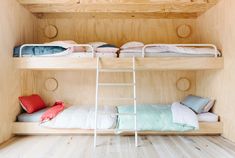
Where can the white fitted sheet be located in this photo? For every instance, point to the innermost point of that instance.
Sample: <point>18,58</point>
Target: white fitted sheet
<point>34,117</point>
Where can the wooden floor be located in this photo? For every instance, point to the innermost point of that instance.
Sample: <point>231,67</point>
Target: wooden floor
<point>116,146</point>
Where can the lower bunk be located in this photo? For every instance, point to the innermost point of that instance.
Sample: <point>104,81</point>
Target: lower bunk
<point>32,128</point>
<point>188,117</point>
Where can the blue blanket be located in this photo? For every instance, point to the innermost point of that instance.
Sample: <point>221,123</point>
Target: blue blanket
<point>37,50</point>
<point>150,117</point>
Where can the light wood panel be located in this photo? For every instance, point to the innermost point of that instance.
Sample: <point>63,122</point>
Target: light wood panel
<point>183,7</point>
<point>16,27</point>
<point>20,128</point>
<point>116,31</point>
<point>217,26</point>
<point>78,87</point>
<point>160,63</point>
<point>118,147</point>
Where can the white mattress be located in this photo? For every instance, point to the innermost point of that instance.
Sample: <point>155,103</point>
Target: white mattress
<point>34,117</point>
<point>152,54</point>
<point>90,55</point>
<point>77,55</point>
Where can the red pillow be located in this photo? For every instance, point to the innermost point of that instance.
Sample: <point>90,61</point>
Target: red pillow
<point>32,103</point>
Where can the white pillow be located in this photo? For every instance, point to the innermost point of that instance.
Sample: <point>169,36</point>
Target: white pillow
<point>132,45</point>
<point>208,117</point>
<point>95,45</point>
<point>208,107</point>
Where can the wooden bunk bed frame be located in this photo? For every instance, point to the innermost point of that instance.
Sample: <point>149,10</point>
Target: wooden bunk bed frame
<point>141,63</point>
<point>22,128</point>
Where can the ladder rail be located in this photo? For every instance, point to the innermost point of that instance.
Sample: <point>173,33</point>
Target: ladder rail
<point>96,100</point>
<point>115,84</point>
<point>135,108</point>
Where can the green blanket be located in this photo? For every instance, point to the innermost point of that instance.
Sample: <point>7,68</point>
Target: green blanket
<point>149,118</point>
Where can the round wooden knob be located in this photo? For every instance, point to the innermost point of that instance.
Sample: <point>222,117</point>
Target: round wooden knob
<point>50,31</point>
<point>183,84</point>
<point>184,31</point>
<point>51,84</point>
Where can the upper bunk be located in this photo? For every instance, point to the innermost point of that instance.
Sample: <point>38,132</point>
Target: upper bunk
<point>147,57</point>
<point>132,8</point>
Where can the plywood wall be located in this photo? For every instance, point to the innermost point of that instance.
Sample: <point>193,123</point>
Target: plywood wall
<point>116,31</point>
<point>16,26</point>
<point>217,26</point>
<point>78,87</point>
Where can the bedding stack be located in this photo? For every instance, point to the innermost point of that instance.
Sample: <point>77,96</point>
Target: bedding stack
<point>138,49</point>
<point>103,49</point>
<point>131,49</point>
<point>66,49</point>
<point>202,107</point>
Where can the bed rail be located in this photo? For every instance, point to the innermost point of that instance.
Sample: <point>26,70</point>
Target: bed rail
<point>181,45</point>
<point>57,45</point>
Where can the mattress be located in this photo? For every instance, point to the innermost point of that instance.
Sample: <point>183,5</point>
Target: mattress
<point>152,54</point>
<point>34,117</point>
<point>67,53</point>
<point>85,55</point>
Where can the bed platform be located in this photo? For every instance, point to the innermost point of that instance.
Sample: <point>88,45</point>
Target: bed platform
<point>22,128</point>
<point>161,63</point>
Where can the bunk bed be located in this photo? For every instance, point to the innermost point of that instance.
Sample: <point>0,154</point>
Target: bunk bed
<point>211,61</point>
<point>156,61</point>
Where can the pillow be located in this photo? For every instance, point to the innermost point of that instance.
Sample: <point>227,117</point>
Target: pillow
<point>208,107</point>
<point>32,103</point>
<point>132,45</point>
<point>208,117</point>
<point>197,104</point>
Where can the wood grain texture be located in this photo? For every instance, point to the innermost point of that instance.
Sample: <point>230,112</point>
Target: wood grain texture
<point>181,7</point>
<point>78,87</point>
<point>16,27</point>
<point>118,147</point>
<point>217,26</point>
<point>160,63</point>
<point>116,31</point>
<point>22,128</point>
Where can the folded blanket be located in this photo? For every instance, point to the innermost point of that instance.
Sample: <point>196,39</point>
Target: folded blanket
<point>53,111</point>
<point>155,117</point>
<point>38,50</point>
<point>183,115</point>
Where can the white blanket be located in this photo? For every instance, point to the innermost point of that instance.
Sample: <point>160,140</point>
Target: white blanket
<point>83,117</point>
<point>183,115</point>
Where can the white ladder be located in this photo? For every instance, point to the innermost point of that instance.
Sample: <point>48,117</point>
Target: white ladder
<point>133,84</point>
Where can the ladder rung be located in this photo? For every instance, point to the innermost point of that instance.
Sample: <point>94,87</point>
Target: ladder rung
<point>116,84</point>
<point>115,70</point>
<point>117,98</point>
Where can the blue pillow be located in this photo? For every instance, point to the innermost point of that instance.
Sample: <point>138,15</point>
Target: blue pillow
<point>195,103</point>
